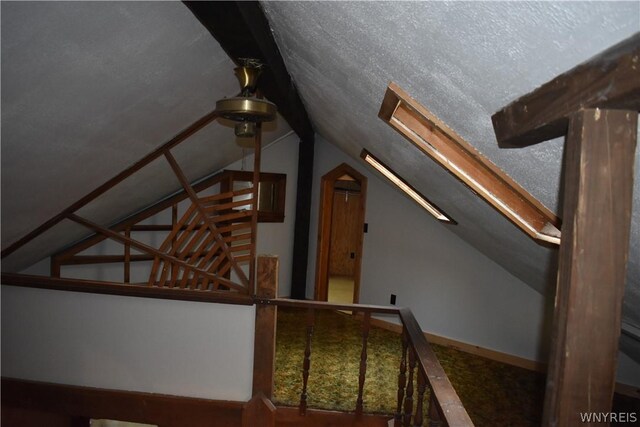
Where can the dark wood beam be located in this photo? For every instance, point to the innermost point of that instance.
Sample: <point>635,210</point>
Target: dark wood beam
<point>609,80</point>
<point>593,256</point>
<point>243,31</point>
<point>304,190</point>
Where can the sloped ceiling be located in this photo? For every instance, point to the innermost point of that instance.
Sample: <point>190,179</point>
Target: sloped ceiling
<point>89,88</point>
<point>463,61</point>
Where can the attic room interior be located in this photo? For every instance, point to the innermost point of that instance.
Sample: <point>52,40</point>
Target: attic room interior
<point>430,187</point>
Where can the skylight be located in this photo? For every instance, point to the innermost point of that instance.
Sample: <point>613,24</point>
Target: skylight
<point>404,186</point>
<point>419,126</point>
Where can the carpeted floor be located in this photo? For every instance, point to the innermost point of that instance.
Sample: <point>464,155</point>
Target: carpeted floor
<point>493,393</point>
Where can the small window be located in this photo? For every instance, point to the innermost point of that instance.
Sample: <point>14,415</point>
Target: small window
<point>271,192</point>
<point>435,139</point>
<point>404,186</point>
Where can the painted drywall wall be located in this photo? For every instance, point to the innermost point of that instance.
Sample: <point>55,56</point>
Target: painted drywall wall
<point>453,289</point>
<point>172,347</point>
<point>126,343</point>
<point>273,238</point>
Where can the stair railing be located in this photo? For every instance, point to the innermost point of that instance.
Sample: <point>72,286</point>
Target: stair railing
<point>419,368</point>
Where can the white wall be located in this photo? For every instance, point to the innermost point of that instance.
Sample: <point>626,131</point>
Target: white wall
<point>127,343</point>
<point>453,289</point>
<point>151,345</point>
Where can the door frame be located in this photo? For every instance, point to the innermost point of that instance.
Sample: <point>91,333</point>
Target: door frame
<point>324,230</point>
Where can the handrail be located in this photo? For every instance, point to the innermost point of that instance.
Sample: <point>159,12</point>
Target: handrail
<point>445,405</point>
<point>323,305</point>
<point>133,290</point>
<point>446,397</point>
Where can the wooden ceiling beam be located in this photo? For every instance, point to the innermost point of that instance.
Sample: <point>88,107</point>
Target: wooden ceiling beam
<point>243,31</point>
<point>609,80</point>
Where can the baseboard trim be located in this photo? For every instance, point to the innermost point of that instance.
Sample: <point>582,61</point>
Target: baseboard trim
<point>148,408</point>
<point>509,359</point>
<point>287,416</point>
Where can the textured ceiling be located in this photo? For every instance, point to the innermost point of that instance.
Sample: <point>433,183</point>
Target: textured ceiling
<point>88,88</point>
<point>463,61</point>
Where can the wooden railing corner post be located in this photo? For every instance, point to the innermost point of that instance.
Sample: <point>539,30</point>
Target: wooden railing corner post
<point>265,332</point>
<point>259,412</point>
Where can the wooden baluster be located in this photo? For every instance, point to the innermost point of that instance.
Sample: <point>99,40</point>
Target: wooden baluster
<point>174,222</point>
<point>422,387</point>
<point>434,414</point>
<point>363,362</point>
<point>402,379</point>
<point>127,257</point>
<point>408,400</point>
<point>307,361</point>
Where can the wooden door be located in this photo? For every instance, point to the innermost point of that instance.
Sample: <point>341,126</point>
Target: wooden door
<point>344,233</point>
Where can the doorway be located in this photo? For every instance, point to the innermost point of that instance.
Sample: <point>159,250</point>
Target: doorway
<point>340,235</point>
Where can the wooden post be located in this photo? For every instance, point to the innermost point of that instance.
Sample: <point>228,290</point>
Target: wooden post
<point>593,255</point>
<point>257,151</point>
<point>264,353</point>
<point>259,412</point>
<point>127,257</point>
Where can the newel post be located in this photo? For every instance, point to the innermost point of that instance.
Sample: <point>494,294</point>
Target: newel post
<point>260,411</point>
<point>265,334</point>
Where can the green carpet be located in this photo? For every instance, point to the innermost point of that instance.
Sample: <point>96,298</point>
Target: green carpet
<point>493,393</point>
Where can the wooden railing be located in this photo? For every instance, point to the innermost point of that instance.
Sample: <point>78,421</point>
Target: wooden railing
<point>419,368</point>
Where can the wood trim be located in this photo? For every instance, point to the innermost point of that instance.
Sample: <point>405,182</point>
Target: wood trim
<point>324,229</point>
<point>127,257</point>
<point>476,350</point>
<point>448,220</point>
<point>149,408</point>
<point>132,290</point>
<point>323,305</point>
<point>259,412</point>
<point>487,353</point>
<point>449,403</point>
<point>435,139</point>
<point>140,216</point>
<point>287,416</point>
<point>593,256</point>
<point>278,179</point>
<point>210,224</point>
<point>252,283</point>
<point>152,251</point>
<point>181,136</point>
<point>610,79</point>
<point>264,353</point>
